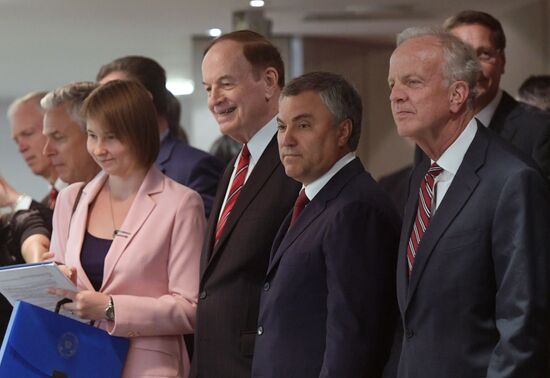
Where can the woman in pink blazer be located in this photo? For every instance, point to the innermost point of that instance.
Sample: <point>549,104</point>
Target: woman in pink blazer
<point>133,243</point>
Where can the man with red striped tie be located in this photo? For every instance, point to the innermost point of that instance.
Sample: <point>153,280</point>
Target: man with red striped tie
<point>243,74</point>
<point>473,269</point>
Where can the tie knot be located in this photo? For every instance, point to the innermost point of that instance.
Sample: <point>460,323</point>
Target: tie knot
<point>302,199</point>
<point>435,170</point>
<point>245,154</point>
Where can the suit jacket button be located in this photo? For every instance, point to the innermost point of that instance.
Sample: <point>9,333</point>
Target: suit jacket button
<point>202,294</point>
<point>409,334</point>
<point>260,330</point>
<point>266,286</point>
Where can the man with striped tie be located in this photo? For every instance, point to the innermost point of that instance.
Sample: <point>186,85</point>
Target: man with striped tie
<point>243,74</point>
<point>473,268</point>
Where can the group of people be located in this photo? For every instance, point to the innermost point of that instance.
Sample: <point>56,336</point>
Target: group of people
<point>294,262</point>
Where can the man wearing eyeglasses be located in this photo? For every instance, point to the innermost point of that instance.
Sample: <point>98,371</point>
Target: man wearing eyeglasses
<point>525,127</point>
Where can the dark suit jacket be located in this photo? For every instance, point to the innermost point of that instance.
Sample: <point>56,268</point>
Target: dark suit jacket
<point>191,167</point>
<point>476,304</point>
<point>233,269</point>
<point>328,306</point>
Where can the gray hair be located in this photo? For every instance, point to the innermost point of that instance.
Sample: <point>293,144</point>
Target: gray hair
<point>461,63</point>
<point>339,96</point>
<point>72,96</point>
<point>33,97</point>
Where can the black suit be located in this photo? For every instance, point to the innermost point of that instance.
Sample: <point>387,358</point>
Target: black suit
<point>328,307</point>
<point>233,269</point>
<point>477,302</point>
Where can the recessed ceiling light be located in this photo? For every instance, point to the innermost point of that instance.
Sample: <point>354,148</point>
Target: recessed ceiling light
<point>180,87</point>
<point>257,3</point>
<point>214,32</point>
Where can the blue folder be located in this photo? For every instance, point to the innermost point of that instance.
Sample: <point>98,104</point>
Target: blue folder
<point>41,343</point>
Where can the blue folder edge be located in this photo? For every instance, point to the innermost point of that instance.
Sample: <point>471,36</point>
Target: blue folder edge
<point>64,345</point>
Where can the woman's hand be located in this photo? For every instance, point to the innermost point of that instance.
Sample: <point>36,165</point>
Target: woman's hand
<point>69,271</point>
<point>86,304</point>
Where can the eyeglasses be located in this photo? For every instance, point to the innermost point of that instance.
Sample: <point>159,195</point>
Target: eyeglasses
<point>487,55</point>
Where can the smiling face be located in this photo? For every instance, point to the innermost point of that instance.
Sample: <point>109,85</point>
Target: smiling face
<point>26,131</point>
<point>113,156</point>
<point>66,146</point>
<point>491,59</point>
<point>237,96</point>
<point>419,94</point>
<point>309,141</point>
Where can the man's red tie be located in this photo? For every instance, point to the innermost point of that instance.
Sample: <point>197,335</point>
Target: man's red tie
<point>52,198</point>
<point>299,205</point>
<point>235,190</point>
<point>426,194</point>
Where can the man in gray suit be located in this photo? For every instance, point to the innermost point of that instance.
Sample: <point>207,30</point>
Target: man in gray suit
<point>473,266</point>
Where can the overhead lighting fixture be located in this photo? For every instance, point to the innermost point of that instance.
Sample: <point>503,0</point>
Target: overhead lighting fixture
<point>180,87</point>
<point>214,32</point>
<point>257,3</point>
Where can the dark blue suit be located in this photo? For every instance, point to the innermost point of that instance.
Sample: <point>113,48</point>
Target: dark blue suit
<point>476,303</point>
<point>191,167</point>
<point>327,307</point>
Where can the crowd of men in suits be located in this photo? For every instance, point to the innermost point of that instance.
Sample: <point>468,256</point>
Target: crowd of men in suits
<point>307,268</point>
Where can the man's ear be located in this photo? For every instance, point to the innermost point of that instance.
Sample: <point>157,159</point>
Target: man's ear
<point>344,132</point>
<point>271,79</point>
<point>458,95</point>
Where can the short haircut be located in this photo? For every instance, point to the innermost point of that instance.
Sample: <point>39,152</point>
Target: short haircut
<point>144,70</point>
<point>33,97</point>
<point>173,116</point>
<point>258,51</point>
<point>460,60</point>
<point>339,96</point>
<point>126,109</point>
<point>71,96</point>
<point>472,17</point>
<point>535,91</point>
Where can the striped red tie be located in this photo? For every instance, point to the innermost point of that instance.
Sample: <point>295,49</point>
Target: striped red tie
<point>235,190</point>
<point>426,195</point>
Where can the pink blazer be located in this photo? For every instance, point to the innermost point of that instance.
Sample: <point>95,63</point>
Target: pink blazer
<point>152,274</point>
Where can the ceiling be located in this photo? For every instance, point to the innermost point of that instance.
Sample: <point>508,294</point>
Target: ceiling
<point>46,43</point>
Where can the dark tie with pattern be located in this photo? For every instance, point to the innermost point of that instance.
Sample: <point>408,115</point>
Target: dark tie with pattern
<point>423,214</point>
<point>235,190</point>
<point>52,198</point>
<point>299,205</point>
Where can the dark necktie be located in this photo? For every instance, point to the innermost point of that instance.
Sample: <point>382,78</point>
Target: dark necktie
<point>235,190</point>
<point>52,197</point>
<point>299,205</point>
<point>423,214</point>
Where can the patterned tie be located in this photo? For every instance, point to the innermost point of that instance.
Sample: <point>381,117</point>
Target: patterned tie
<point>52,198</point>
<point>235,190</point>
<point>426,195</point>
<point>299,205</point>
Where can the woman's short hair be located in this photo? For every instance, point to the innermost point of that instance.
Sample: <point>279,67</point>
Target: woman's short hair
<point>126,109</point>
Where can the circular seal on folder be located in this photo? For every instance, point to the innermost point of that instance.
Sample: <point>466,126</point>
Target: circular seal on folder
<point>67,345</point>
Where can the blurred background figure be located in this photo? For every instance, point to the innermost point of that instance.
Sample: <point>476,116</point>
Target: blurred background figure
<point>135,236</point>
<point>225,148</point>
<point>535,91</point>
<point>176,159</point>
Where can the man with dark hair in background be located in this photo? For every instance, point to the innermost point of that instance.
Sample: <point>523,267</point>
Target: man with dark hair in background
<point>187,165</point>
<point>525,127</point>
<point>535,91</point>
<point>243,74</point>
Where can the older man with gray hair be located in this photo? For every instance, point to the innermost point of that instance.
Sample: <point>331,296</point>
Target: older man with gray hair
<point>65,130</point>
<point>473,267</point>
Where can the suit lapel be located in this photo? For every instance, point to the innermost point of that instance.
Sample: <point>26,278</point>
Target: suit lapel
<point>312,211</point>
<point>409,216</point>
<point>261,173</point>
<point>462,187</point>
<point>506,105</point>
<point>166,147</point>
<point>140,210</point>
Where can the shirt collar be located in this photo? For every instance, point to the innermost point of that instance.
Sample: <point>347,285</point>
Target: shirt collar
<point>451,159</point>
<point>485,115</point>
<point>59,184</point>
<point>313,188</point>
<point>164,134</point>
<point>258,143</point>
